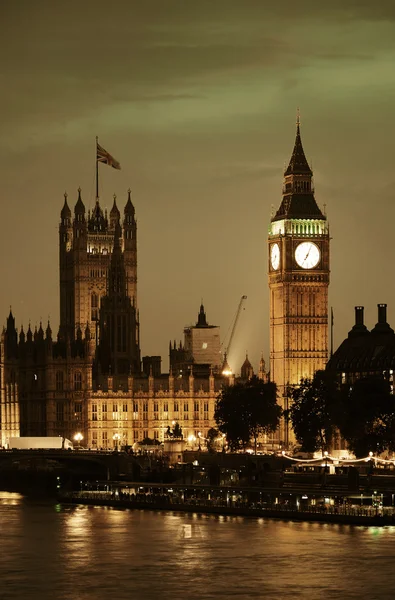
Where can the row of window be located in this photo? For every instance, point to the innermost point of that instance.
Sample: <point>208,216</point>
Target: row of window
<point>103,439</point>
<point>156,407</point>
<point>60,381</point>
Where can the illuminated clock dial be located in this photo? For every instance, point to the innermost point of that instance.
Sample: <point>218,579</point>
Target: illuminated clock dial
<point>275,256</point>
<point>307,255</point>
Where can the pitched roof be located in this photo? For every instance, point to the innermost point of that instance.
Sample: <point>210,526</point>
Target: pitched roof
<point>299,206</point>
<point>298,164</point>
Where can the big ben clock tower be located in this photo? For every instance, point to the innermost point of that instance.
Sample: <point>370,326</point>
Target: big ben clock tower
<point>298,281</point>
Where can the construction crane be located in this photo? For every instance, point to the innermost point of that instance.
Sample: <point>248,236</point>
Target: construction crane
<point>226,370</point>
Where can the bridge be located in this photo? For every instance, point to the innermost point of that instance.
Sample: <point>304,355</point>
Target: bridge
<point>96,464</point>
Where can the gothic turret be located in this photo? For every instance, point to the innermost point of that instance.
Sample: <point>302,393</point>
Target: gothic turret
<point>202,321</point>
<point>130,248</point>
<point>11,337</point>
<point>119,327</point>
<point>116,274</point>
<point>262,369</point>
<point>79,208</point>
<point>79,225</point>
<point>246,369</point>
<point>97,222</point>
<point>65,214</point>
<point>129,208</point>
<point>115,215</point>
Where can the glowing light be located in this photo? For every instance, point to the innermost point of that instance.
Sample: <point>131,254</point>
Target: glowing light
<point>78,437</point>
<point>227,372</point>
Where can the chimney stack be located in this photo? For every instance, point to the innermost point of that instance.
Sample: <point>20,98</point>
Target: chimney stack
<point>382,312</point>
<point>359,315</point>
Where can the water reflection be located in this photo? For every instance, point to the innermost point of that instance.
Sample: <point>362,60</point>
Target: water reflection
<point>10,498</point>
<point>86,553</point>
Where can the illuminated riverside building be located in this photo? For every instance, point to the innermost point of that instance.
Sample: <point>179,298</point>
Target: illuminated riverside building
<point>298,245</point>
<point>88,380</point>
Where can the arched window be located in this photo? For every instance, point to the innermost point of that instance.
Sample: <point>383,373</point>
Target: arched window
<point>77,381</point>
<point>59,381</point>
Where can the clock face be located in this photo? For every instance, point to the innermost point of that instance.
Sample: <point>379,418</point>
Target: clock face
<point>307,255</point>
<point>275,256</point>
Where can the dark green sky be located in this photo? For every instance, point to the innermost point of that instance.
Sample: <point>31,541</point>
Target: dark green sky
<point>197,100</point>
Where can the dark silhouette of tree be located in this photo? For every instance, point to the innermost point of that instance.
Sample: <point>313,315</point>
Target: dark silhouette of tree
<point>149,442</point>
<point>313,411</point>
<point>212,439</point>
<point>367,416</point>
<point>246,410</point>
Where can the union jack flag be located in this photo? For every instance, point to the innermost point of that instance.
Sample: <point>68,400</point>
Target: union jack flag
<point>104,157</point>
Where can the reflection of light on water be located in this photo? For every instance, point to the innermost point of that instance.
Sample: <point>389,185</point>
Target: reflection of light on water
<point>78,530</point>
<point>186,531</point>
<point>10,498</point>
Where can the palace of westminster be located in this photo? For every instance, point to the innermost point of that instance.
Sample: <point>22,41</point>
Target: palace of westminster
<point>90,378</point>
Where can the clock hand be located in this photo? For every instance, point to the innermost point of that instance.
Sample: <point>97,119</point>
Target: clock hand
<point>307,255</point>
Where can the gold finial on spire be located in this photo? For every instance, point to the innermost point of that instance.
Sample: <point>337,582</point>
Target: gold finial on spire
<point>115,197</point>
<point>65,195</point>
<point>298,116</point>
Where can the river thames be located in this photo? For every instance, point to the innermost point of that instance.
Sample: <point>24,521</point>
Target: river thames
<point>53,551</point>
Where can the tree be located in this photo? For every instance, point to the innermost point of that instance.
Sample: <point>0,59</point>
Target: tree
<point>367,416</point>
<point>149,442</point>
<point>212,439</point>
<point>313,411</point>
<point>246,410</point>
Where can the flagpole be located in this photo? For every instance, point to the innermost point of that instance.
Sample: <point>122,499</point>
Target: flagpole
<point>97,171</point>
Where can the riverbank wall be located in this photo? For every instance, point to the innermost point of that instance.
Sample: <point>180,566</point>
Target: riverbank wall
<point>361,516</point>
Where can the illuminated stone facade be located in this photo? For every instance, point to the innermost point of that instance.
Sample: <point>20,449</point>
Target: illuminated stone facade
<point>298,281</point>
<point>85,248</point>
<point>88,380</point>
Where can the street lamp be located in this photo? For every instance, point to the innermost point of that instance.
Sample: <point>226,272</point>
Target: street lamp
<point>78,438</point>
<point>116,437</point>
<point>191,439</point>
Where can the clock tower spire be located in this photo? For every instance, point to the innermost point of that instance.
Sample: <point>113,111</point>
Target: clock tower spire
<point>298,281</point>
